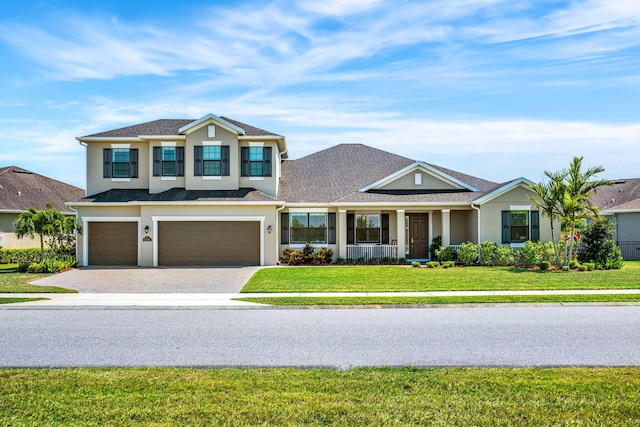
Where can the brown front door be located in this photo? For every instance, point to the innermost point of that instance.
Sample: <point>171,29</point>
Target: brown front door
<point>418,236</point>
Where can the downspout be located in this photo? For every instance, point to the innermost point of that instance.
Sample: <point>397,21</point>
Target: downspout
<point>277,230</point>
<point>477,209</point>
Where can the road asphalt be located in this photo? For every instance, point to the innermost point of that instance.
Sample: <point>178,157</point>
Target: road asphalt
<point>228,300</point>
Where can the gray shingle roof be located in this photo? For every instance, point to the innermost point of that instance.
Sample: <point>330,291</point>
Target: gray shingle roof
<point>170,127</point>
<point>21,189</point>
<point>337,174</point>
<point>179,195</point>
<point>623,195</point>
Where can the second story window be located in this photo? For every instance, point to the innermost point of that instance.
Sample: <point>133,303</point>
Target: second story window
<point>211,160</point>
<point>256,161</point>
<point>168,161</point>
<point>120,163</point>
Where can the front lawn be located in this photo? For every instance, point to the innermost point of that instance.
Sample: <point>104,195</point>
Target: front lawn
<point>11,281</point>
<point>408,279</point>
<point>287,397</point>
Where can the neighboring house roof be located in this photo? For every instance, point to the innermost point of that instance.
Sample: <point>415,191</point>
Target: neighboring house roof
<point>21,189</point>
<point>178,195</point>
<point>338,174</point>
<point>624,195</point>
<point>171,127</point>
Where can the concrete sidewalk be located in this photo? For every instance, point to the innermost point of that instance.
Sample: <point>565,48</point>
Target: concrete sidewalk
<point>186,300</point>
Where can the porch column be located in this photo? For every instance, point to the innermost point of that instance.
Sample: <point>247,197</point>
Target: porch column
<point>342,233</point>
<point>400,224</point>
<point>446,227</point>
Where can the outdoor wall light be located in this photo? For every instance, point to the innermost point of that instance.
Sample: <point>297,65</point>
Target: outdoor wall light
<point>269,228</point>
<point>146,229</point>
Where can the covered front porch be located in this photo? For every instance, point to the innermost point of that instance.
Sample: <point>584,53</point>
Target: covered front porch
<point>402,233</point>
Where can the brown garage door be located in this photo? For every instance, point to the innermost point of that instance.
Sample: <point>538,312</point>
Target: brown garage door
<point>113,243</point>
<point>208,243</point>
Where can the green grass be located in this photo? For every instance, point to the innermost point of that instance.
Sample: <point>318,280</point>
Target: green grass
<point>407,279</point>
<point>288,397</point>
<point>11,281</point>
<point>14,300</point>
<point>487,299</point>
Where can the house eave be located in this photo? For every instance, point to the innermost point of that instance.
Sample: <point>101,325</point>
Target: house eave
<point>504,189</point>
<point>400,204</point>
<point>193,126</point>
<point>109,139</point>
<point>177,203</point>
<point>163,137</point>
<point>619,211</point>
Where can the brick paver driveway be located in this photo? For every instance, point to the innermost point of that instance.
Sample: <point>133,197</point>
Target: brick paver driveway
<point>152,280</point>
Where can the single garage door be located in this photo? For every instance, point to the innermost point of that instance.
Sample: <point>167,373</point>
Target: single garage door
<point>223,243</point>
<point>113,243</point>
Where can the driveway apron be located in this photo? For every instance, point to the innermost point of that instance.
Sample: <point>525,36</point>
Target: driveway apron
<point>152,280</point>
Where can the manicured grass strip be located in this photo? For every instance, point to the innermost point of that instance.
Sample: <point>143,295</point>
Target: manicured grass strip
<point>14,300</point>
<point>396,279</point>
<point>347,301</point>
<point>13,282</point>
<point>8,268</point>
<point>287,397</point>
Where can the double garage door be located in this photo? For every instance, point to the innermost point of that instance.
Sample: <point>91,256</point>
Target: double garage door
<point>194,243</point>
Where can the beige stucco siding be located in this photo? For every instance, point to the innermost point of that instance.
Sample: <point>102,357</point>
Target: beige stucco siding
<point>158,184</point>
<point>491,214</point>
<point>95,181</point>
<point>461,227</point>
<point>225,137</point>
<point>8,231</point>
<point>267,184</point>
<point>408,182</point>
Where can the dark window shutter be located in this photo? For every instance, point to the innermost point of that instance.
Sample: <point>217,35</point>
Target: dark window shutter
<point>106,160</point>
<point>244,161</point>
<point>157,161</point>
<point>266,161</point>
<point>198,153</point>
<point>179,161</point>
<point>506,227</point>
<point>535,225</point>
<point>133,159</point>
<point>385,229</point>
<point>331,232</point>
<point>284,225</point>
<point>224,157</point>
<point>351,229</point>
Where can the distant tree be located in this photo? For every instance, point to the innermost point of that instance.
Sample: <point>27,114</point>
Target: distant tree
<point>599,246</point>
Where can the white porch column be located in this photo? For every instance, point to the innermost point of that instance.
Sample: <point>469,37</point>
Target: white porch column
<point>342,233</point>
<point>446,227</point>
<point>400,221</point>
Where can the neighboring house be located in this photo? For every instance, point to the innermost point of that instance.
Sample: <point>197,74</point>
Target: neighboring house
<point>215,191</point>
<point>21,189</point>
<point>621,204</point>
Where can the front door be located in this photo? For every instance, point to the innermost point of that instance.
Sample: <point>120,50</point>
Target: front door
<point>418,236</point>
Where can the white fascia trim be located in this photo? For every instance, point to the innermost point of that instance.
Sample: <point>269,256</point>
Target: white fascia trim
<point>85,233</point>
<point>424,168</point>
<point>620,211</point>
<point>163,137</point>
<point>203,120</point>
<point>401,204</point>
<point>260,137</point>
<point>520,182</point>
<point>176,204</point>
<point>156,219</point>
<point>111,139</point>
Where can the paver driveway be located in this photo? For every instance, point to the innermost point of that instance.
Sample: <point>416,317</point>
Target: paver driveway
<point>152,280</point>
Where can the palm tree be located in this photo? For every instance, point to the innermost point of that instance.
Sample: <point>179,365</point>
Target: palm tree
<point>576,203</point>
<point>548,201</point>
<point>31,223</point>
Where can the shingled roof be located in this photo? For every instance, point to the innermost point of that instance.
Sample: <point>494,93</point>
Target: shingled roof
<point>21,189</point>
<point>170,127</point>
<point>179,195</point>
<point>337,174</point>
<point>623,195</point>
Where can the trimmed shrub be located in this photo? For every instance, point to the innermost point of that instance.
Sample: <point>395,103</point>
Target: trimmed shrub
<point>435,245</point>
<point>445,254</point>
<point>544,265</point>
<point>504,256</point>
<point>448,264</point>
<point>487,252</point>
<point>433,264</point>
<point>415,264</point>
<point>530,254</point>
<point>590,266</point>
<point>566,268</point>
<point>468,253</point>
<point>574,264</point>
<point>581,267</point>
<point>599,246</point>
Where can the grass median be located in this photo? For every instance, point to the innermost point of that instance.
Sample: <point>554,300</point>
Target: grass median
<point>368,396</point>
<point>12,281</point>
<point>408,279</point>
<point>420,301</point>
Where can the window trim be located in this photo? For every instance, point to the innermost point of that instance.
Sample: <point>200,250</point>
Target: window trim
<point>308,228</point>
<point>379,228</point>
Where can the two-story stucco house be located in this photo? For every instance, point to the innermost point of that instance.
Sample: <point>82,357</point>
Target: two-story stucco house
<point>215,191</point>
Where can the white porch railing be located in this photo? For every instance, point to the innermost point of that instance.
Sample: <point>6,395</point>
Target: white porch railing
<point>372,251</point>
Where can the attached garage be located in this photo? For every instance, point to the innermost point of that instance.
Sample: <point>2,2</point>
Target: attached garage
<point>208,243</point>
<point>113,243</point>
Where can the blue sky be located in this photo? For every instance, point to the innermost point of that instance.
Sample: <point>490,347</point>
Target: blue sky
<point>494,88</point>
